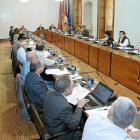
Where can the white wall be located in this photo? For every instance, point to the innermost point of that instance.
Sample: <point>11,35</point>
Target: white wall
<point>30,14</point>
<point>127,18</point>
<point>94,15</point>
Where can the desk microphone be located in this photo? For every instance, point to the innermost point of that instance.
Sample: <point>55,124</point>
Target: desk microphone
<point>136,45</point>
<point>138,73</point>
<point>102,79</point>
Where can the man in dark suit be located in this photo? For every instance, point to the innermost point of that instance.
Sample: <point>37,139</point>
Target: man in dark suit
<point>85,31</point>
<point>35,86</point>
<point>40,27</point>
<point>52,27</point>
<point>58,114</point>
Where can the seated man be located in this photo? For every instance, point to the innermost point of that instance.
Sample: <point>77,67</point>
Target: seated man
<point>58,114</point>
<point>40,27</point>
<point>107,36</point>
<point>40,48</point>
<point>78,31</point>
<point>22,28</point>
<point>120,116</point>
<point>26,67</point>
<point>123,41</point>
<point>15,48</point>
<point>21,54</point>
<point>85,31</point>
<point>35,86</point>
<point>52,27</point>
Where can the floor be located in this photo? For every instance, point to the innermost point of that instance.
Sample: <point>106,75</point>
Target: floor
<point>11,126</point>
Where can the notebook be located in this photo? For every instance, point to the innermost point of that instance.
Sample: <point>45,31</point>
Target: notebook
<point>98,97</point>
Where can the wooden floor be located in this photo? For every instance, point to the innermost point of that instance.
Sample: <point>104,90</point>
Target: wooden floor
<point>11,126</point>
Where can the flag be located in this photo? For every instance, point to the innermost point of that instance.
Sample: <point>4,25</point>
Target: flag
<point>69,15</point>
<point>66,15</point>
<point>63,22</point>
<point>60,17</point>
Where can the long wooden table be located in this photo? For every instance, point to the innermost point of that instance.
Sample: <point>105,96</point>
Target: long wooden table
<point>122,67</point>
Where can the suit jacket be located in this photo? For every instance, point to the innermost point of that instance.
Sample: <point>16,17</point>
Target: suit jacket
<point>58,114</point>
<point>42,28</point>
<point>85,33</point>
<point>51,27</point>
<point>35,87</point>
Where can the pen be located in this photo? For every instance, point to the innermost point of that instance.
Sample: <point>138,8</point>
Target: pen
<point>102,109</point>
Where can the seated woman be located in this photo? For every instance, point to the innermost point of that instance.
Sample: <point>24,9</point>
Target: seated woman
<point>72,28</point>
<point>107,36</point>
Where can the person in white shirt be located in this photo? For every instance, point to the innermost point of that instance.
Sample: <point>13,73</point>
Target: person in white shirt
<point>40,48</point>
<point>21,54</point>
<point>107,36</point>
<point>123,41</point>
<point>121,114</point>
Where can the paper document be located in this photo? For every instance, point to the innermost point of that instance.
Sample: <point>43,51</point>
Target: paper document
<point>126,48</point>
<point>78,93</point>
<point>46,53</point>
<point>75,77</point>
<point>103,111</point>
<point>56,71</point>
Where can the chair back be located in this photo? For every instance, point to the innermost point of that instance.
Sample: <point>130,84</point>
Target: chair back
<point>38,123</point>
<point>20,100</point>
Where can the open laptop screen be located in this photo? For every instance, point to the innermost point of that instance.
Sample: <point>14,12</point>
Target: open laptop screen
<point>102,93</point>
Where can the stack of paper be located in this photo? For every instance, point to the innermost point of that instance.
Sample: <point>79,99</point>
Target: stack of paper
<point>78,93</point>
<point>56,71</point>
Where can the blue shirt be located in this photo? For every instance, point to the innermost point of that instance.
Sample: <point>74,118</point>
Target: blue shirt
<point>25,69</point>
<point>21,55</point>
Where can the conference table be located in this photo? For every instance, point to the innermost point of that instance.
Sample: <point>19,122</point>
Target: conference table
<point>117,68</point>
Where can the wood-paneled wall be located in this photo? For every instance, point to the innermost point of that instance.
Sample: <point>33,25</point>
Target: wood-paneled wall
<point>77,13</point>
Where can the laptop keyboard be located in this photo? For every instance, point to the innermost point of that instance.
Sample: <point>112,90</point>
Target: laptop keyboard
<point>91,103</point>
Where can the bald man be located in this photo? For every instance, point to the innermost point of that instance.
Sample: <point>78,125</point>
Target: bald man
<point>35,86</point>
<point>26,67</point>
<point>40,27</point>
<point>52,27</point>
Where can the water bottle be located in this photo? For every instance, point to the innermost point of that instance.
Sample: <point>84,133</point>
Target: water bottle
<point>110,46</point>
<point>123,49</point>
<point>83,38</point>
<point>72,69</point>
<point>59,60</point>
<point>96,39</point>
<point>89,82</point>
<point>50,49</point>
<point>56,54</point>
<point>100,43</point>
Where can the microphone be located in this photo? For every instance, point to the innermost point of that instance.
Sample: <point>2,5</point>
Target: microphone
<point>113,96</point>
<point>102,79</point>
<point>138,73</point>
<point>70,67</point>
<point>86,78</point>
<point>136,45</point>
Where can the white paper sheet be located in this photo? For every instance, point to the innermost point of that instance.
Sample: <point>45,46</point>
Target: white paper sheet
<point>46,53</point>
<point>78,93</point>
<point>57,71</point>
<point>75,77</point>
<point>103,111</point>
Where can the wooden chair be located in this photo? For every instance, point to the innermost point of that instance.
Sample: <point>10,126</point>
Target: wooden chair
<point>41,127</point>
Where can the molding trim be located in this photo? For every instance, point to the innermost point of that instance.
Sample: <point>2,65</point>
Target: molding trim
<point>2,40</point>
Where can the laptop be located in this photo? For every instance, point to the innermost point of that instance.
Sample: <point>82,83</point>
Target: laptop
<point>113,46</point>
<point>98,97</point>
